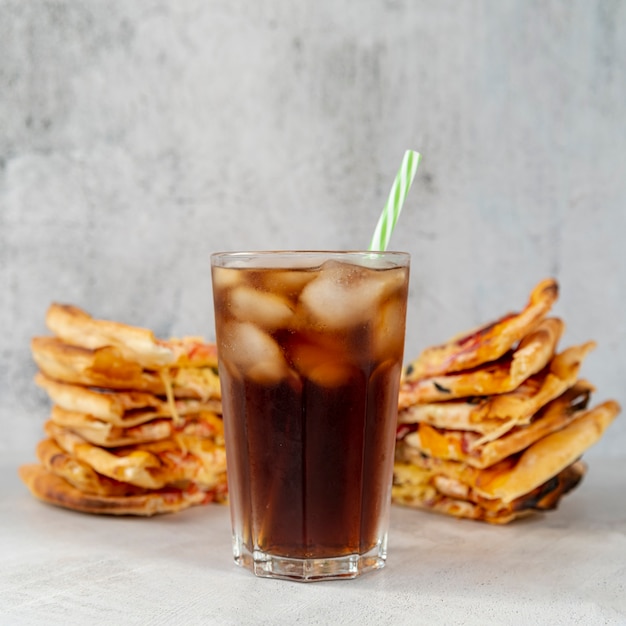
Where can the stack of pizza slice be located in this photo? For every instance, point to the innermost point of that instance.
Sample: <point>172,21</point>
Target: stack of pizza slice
<point>492,424</point>
<point>135,426</point>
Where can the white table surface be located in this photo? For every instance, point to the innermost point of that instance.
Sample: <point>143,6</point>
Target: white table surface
<point>565,567</point>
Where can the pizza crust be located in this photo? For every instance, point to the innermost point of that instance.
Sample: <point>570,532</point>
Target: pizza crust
<point>203,424</point>
<point>550,455</point>
<point>107,368</point>
<point>492,416</point>
<point>502,376</point>
<point>150,465</point>
<point>53,489</point>
<point>76,327</point>
<point>520,473</point>
<point>470,448</point>
<point>420,489</point>
<point>79,474</point>
<point>124,408</point>
<point>489,342</point>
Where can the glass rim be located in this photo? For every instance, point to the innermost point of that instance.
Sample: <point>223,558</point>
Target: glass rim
<point>308,251</point>
<point>303,259</point>
<point>312,253</point>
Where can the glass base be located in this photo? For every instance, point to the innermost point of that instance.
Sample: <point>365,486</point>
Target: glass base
<point>310,570</point>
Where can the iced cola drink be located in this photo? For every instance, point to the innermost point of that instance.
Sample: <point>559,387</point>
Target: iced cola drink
<point>310,348</point>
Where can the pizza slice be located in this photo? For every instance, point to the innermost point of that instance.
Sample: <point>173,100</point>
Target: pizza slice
<point>203,424</point>
<point>418,488</point>
<point>472,449</point>
<point>492,416</point>
<point>55,490</point>
<point>81,475</point>
<point>108,368</point>
<point>520,473</point>
<point>129,408</point>
<point>502,376</point>
<point>487,343</point>
<point>76,327</point>
<point>180,459</point>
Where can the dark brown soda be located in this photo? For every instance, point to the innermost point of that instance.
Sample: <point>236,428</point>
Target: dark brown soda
<point>307,458</point>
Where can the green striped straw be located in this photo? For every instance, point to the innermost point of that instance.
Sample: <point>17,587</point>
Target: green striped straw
<point>399,190</point>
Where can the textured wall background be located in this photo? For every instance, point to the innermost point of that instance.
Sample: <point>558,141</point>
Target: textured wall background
<point>138,137</point>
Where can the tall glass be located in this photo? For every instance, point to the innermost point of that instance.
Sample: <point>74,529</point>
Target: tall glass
<point>310,348</point>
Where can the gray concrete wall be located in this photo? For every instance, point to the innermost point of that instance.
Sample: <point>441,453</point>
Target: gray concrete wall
<point>138,137</point>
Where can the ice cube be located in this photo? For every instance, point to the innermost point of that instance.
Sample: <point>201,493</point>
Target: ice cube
<point>331,375</point>
<point>271,373</point>
<point>288,282</point>
<point>385,380</point>
<point>265,309</point>
<point>224,277</point>
<point>320,365</point>
<point>249,349</point>
<point>305,356</point>
<point>345,295</point>
<point>388,330</point>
